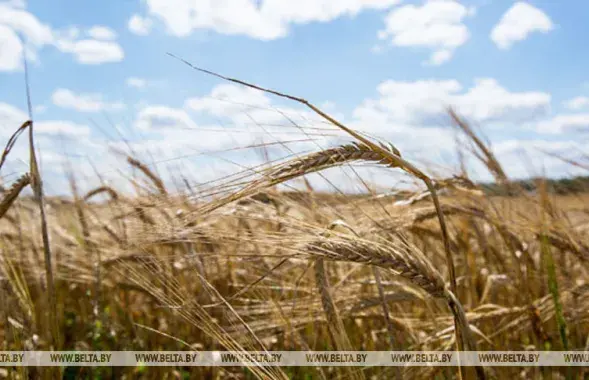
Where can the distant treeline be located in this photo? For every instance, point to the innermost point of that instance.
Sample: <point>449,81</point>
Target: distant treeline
<point>556,186</point>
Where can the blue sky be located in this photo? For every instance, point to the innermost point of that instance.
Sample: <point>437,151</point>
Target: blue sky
<point>99,71</point>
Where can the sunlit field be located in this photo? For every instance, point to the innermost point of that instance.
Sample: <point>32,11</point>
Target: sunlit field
<point>246,264</point>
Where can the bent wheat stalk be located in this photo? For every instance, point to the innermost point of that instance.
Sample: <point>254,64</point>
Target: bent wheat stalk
<point>398,257</point>
<point>114,195</point>
<point>157,182</point>
<point>389,156</point>
<point>484,154</point>
<point>402,259</point>
<point>13,192</point>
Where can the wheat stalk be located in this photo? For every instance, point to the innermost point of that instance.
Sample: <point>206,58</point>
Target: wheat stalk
<point>327,158</point>
<point>484,154</point>
<point>157,181</point>
<point>310,163</point>
<point>12,193</point>
<point>114,195</point>
<point>391,156</point>
<point>401,258</point>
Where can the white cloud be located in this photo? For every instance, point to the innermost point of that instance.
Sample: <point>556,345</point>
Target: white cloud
<point>423,102</point>
<point>140,25</point>
<point>65,98</point>
<point>242,116</point>
<point>489,101</point>
<point>62,128</point>
<point>163,117</point>
<point>529,158</point>
<point>24,22</point>
<point>247,107</point>
<point>261,19</point>
<point>577,103</point>
<point>100,32</point>
<point>92,52</point>
<point>10,119</point>
<point>10,50</point>
<point>436,25</point>
<point>137,82</point>
<point>413,116</point>
<point>518,23</point>
<point>101,47</point>
<point>564,123</point>
<point>169,130</point>
<point>408,102</point>
<point>13,21</point>
<point>228,99</point>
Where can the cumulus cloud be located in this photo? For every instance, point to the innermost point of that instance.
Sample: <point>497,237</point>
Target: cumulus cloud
<point>10,49</point>
<point>100,47</point>
<point>170,130</point>
<point>140,25</point>
<point>163,117</point>
<point>564,123</point>
<point>413,116</point>
<point>227,99</point>
<point>577,103</point>
<point>24,22</point>
<point>101,32</point>
<point>521,20</point>
<point>436,25</point>
<point>92,52</point>
<point>65,98</point>
<point>10,119</point>
<point>229,116</point>
<point>13,21</point>
<point>62,128</point>
<point>489,101</point>
<point>243,105</point>
<point>261,19</point>
<point>536,157</point>
<point>423,102</point>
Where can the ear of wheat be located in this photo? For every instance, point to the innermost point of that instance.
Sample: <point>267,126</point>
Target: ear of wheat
<point>157,181</point>
<point>310,163</point>
<point>114,195</point>
<point>328,158</point>
<point>12,193</point>
<point>400,258</point>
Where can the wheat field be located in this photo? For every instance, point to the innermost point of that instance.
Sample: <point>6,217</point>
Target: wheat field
<point>243,264</point>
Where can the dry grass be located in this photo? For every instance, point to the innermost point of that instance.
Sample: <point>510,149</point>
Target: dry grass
<point>149,279</point>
